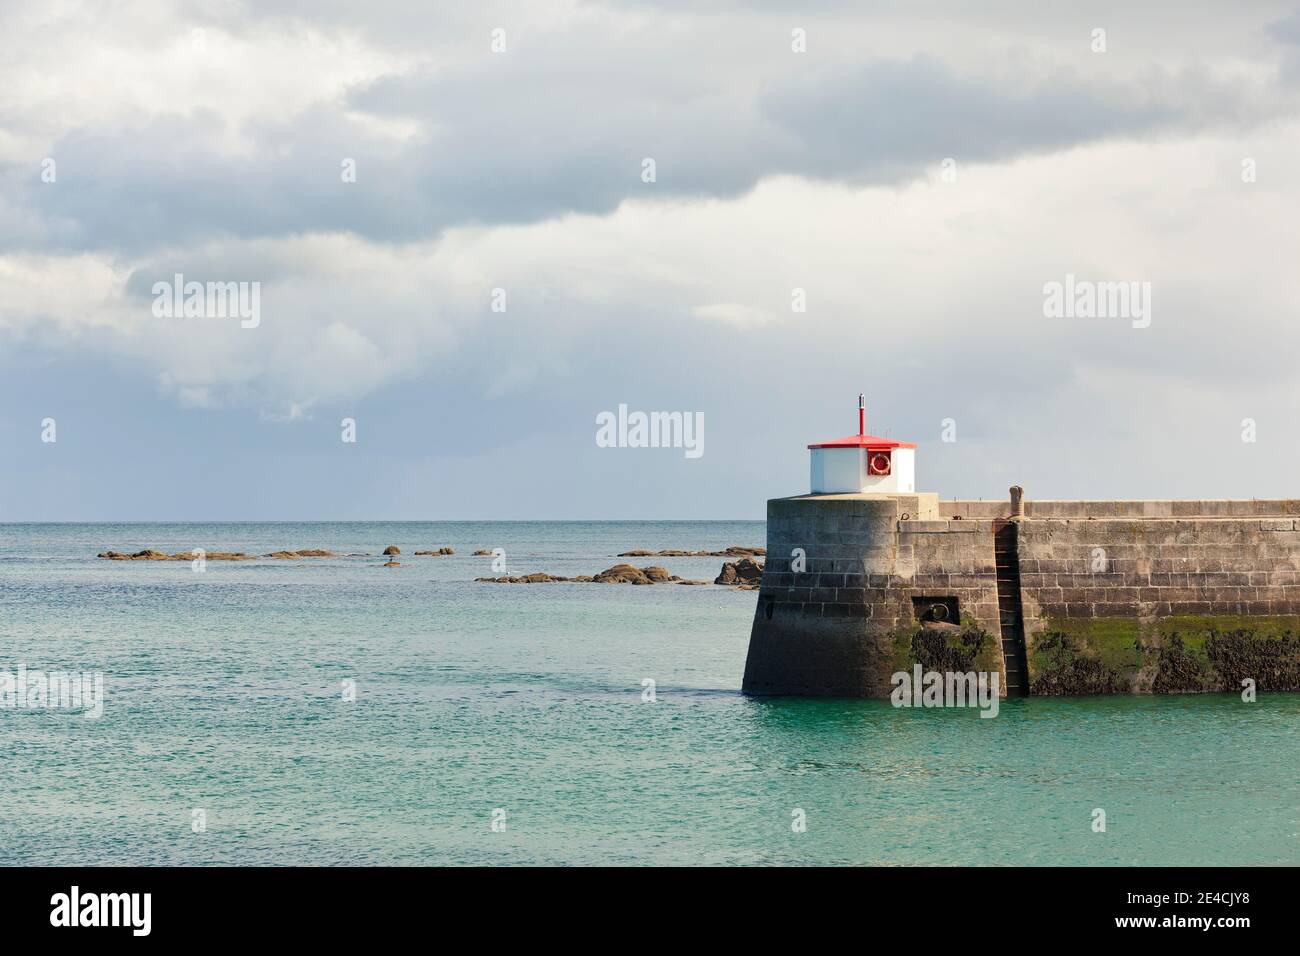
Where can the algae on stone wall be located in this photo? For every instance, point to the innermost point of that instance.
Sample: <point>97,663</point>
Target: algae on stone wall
<point>1180,669</point>
<point>1272,663</point>
<point>1169,656</point>
<point>1088,656</point>
<point>948,650</point>
<point>1061,664</point>
<point>1217,661</point>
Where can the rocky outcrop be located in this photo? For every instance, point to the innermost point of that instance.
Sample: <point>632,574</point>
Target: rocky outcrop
<point>618,574</point>
<point>745,574</point>
<point>734,551</point>
<point>627,574</point>
<point>537,577</point>
<point>392,549</point>
<point>392,564</point>
<point>439,552</point>
<point>482,551</point>
<point>148,554</point>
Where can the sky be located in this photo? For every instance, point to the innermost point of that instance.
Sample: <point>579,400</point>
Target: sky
<point>475,228</point>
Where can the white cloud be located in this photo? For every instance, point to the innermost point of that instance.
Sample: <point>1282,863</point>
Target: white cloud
<point>733,313</point>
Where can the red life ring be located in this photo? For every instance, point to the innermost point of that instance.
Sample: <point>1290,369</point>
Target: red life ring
<point>879,464</point>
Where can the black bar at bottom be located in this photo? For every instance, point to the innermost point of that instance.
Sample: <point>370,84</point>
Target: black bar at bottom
<point>303,905</point>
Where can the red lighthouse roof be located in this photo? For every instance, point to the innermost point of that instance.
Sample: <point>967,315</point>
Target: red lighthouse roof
<point>869,442</point>
<point>862,439</point>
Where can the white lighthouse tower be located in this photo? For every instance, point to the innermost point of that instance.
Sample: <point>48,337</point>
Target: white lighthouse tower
<point>862,463</point>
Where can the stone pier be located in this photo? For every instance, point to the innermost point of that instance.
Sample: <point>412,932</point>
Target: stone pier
<point>1116,596</point>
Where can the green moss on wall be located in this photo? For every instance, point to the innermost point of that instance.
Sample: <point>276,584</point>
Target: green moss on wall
<point>1169,656</point>
<point>1093,656</point>
<point>1181,668</point>
<point>1061,664</point>
<point>901,645</point>
<point>969,648</point>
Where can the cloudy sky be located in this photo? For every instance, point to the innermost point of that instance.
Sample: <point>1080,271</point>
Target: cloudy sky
<point>920,171</point>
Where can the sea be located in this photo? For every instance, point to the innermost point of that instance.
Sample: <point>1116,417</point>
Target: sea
<point>334,711</point>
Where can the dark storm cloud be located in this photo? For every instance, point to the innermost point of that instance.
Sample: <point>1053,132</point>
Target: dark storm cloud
<point>520,138</point>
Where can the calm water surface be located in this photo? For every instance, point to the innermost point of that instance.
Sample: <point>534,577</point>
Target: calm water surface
<point>224,693</point>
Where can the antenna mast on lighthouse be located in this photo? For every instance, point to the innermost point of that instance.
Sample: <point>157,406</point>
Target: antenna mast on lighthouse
<point>862,413</point>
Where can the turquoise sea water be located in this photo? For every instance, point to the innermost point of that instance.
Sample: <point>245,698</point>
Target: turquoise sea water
<point>224,693</point>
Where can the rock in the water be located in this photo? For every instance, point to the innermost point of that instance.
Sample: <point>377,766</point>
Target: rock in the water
<point>745,573</point>
<point>627,574</point>
<point>439,552</point>
<point>619,574</point>
<point>392,564</point>
<point>392,549</point>
<point>148,554</point>
<point>537,577</point>
<point>734,551</point>
<point>480,551</point>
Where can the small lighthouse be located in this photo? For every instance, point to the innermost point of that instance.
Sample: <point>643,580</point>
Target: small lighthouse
<point>862,463</point>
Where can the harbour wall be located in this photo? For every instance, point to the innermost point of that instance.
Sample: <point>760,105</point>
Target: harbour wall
<point>1111,596</point>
